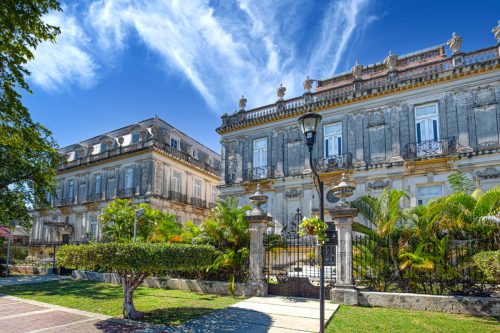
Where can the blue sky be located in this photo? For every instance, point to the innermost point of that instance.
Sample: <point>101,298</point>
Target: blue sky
<point>121,61</point>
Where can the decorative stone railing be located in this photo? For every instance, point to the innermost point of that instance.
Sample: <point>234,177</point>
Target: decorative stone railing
<point>93,197</point>
<point>258,173</point>
<point>378,81</point>
<point>125,192</point>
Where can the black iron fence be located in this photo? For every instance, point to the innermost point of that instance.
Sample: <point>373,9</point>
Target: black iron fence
<point>436,267</point>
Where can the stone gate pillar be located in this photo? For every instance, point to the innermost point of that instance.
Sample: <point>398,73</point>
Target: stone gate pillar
<point>258,221</point>
<point>343,215</point>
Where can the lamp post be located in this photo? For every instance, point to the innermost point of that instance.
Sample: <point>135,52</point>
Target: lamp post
<point>137,213</point>
<point>11,225</point>
<point>309,123</point>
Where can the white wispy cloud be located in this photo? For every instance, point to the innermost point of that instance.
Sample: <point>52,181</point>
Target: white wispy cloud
<point>68,61</point>
<point>224,49</point>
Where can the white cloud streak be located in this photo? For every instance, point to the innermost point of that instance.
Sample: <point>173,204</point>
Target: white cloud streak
<point>224,49</point>
<point>68,61</point>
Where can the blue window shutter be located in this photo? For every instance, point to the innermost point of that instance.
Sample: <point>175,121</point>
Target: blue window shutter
<point>434,127</point>
<point>326,148</point>
<point>419,135</point>
<point>339,145</point>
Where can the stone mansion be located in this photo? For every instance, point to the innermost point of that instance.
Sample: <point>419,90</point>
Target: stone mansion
<point>150,161</point>
<point>405,123</point>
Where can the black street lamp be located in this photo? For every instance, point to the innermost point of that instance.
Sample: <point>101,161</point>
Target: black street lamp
<point>309,123</point>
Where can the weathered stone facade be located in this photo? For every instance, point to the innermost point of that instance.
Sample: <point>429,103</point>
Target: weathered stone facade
<point>406,123</point>
<point>149,162</point>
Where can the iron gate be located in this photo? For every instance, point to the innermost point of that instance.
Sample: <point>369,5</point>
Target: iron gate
<point>293,263</point>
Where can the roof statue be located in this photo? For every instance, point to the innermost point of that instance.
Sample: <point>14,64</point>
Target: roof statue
<point>357,70</point>
<point>455,43</point>
<point>391,61</point>
<point>243,103</point>
<point>307,84</point>
<point>496,32</point>
<point>281,92</point>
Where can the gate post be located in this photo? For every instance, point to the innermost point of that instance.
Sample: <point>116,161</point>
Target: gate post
<point>258,221</point>
<point>342,215</point>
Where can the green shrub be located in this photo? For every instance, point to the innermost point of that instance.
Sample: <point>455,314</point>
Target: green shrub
<point>489,263</point>
<point>135,262</point>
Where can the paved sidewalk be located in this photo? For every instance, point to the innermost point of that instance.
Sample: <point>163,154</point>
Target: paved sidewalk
<point>254,315</point>
<point>27,279</point>
<point>263,314</point>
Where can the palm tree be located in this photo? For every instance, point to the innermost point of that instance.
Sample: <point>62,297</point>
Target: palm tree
<point>474,215</point>
<point>384,213</point>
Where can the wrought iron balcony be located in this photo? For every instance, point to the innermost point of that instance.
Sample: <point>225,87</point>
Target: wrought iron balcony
<point>334,163</point>
<point>198,202</point>
<point>125,192</point>
<point>93,197</point>
<point>177,196</point>
<point>211,205</point>
<point>430,148</point>
<point>266,172</point>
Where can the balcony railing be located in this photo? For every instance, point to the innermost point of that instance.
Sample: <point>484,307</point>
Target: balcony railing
<point>93,197</point>
<point>138,146</point>
<point>125,192</point>
<point>266,172</point>
<point>430,148</point>
<point>211,205</point>
<point>198,202</point>
<point>177,196</point>
<point>64,202</point>
<point>334,163</point>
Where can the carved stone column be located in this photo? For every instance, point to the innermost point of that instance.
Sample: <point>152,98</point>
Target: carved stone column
<point>258,221</point>
<point>344,292</point>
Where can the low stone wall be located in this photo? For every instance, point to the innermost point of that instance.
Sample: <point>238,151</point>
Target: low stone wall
<point>476,306</point>
<point>206,287</point>
<point>31,270</point>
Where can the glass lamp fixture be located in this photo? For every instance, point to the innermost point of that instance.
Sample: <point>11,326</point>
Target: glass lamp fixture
<point>309,123</point>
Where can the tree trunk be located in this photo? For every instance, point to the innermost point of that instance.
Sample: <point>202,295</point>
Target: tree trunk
<point>130,283</point>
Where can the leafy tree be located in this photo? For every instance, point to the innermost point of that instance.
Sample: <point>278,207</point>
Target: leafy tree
<point>118,222</point>
<point>459,182</point>
<point>27,150</point>
<point>135,262</point>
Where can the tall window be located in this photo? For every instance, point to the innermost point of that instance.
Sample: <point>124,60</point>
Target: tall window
<point>71,189</point>
<point>197,188</point>
<point>333,140</point>
<point>176,182</point>
<point>426,122</point>
<point>260,152</point>
<point>129,178</point>
<point>428,192</point>
<point>94,228</point>
<point>136,137</point>
<point>104,147</point>
<point>97,186</point>
<point>174,143</point>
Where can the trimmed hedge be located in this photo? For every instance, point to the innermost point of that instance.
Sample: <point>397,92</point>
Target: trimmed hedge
<point>139,257</point>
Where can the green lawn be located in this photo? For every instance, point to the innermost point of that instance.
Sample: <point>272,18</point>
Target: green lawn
<point>160,306</point>
<point>360,319</point>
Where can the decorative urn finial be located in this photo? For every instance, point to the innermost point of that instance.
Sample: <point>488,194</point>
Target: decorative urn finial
<point>344,189</point>
<point>496,32</point>
<point>357,70</point>
<point>307,84</point>
<point>455,43</point>
<point>391,61</point>
<point>243,103</point>
<point>257,199</point>
<point>281,92</point>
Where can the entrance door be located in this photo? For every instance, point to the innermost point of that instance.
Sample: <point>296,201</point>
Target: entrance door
<point>65,239</point>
